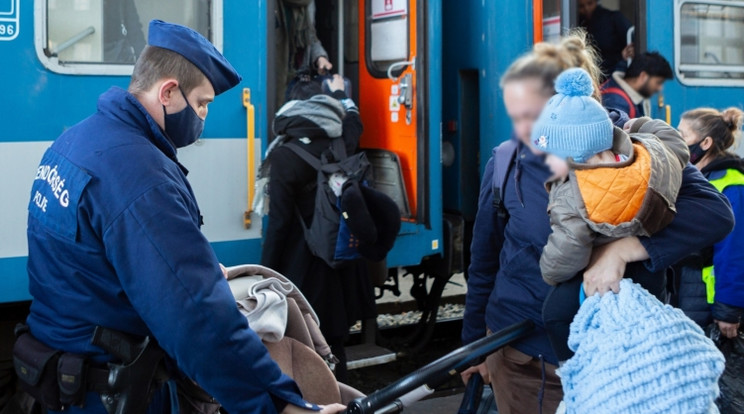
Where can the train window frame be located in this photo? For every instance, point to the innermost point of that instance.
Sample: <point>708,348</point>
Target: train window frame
<point>51,63</point>
<point>683,70</point>
<point>372,66</point>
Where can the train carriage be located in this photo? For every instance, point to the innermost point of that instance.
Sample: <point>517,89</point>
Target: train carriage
<point>425,74</point>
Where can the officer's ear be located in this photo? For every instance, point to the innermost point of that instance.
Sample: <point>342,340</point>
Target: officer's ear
<point>167,91</point>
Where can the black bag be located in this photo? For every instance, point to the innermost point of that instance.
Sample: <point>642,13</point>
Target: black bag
<point>328,237</point>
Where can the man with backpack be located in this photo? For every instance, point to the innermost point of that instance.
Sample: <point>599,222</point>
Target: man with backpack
<point>313,122</point>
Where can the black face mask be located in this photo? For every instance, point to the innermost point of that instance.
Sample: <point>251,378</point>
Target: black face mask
<point>183,127</point>
<point>696,152</point>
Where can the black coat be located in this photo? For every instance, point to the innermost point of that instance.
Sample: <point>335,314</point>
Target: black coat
<point>340,297</point>
<point>608,30</point>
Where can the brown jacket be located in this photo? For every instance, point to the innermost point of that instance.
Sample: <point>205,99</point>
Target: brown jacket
<point>598,203</point>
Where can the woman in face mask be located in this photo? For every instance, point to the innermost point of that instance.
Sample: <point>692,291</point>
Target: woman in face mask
<point>716,296</point>
<point>710,284</point>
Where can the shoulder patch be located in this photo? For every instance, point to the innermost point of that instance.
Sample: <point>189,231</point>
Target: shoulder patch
<point>55,194</point>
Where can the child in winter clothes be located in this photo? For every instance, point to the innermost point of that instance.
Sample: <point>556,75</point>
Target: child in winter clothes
<point>607,184</point>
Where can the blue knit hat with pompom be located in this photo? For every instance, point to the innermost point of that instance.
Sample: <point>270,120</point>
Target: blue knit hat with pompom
<point>573,124</point>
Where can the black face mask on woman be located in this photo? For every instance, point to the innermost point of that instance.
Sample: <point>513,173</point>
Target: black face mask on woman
<point>184,127</point>
<point>696,152</point>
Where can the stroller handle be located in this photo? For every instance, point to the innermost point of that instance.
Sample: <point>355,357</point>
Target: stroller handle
<point>439,371</point>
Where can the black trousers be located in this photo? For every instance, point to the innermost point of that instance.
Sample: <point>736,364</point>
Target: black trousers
<point>562,304</point>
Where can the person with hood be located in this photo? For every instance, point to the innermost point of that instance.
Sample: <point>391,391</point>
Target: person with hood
<point>594,166</point>
<point>127,291</point>
<point>311,119</point>
<point>713,290</point>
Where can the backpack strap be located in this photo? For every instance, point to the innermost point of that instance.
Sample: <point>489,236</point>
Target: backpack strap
<point>503,156</point>
<point>618,91</point>
<point>305,155</point>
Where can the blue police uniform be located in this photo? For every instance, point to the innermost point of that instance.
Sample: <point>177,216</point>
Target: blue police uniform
<point>114,240</point>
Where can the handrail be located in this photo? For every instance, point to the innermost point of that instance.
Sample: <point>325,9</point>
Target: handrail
<point>250,118</point>
<point>401,64</point>
<point>438,372</point>
<point>72,40</point>
<point>629,40</point>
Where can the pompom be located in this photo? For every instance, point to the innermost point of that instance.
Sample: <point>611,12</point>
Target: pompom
<point>574,82</point>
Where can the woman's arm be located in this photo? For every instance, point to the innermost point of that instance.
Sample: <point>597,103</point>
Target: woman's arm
<point>488,238</point>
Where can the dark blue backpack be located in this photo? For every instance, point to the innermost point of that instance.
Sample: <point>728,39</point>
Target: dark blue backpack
<point>503,156</point>
<point>328,236</point>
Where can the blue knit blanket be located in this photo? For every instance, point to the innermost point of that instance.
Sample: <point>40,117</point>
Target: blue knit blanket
<point>637,355</point>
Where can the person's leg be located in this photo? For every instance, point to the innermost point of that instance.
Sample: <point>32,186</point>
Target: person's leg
<point>559,309</point>
<point>523,384</point>
<point>337,348</point>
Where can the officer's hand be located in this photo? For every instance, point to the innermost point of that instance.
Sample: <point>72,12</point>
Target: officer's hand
<point>323,65</point>
<point>324,409</point>
<point>336,84</point>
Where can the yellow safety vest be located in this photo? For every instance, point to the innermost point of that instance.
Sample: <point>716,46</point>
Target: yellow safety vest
<point>732,177</point>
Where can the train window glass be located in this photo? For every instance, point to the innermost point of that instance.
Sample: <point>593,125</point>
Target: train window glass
<point>710,42</point>
<point>387,32</point>
<point>106,36</point>
<point>551,21</point>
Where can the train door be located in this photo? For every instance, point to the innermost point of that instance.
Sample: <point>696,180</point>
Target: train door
<point>390,50</point>
<point>398,71</point>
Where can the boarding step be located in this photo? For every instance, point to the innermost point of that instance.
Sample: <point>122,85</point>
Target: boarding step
<point>367,355</point>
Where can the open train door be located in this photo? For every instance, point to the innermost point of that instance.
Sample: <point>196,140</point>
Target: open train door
<point>399,92</point>
<point>400,105</point>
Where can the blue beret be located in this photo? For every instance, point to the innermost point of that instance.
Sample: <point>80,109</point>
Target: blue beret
<point>197,50</point>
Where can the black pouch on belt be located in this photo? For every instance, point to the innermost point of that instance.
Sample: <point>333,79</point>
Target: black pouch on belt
<point>71,370</point>
<point>36,367</point>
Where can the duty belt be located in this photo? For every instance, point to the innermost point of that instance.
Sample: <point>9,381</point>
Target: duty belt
<point>59,379</point>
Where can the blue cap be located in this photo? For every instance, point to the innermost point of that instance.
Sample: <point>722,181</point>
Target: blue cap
<point>573,124</point>
<point>197,50</point>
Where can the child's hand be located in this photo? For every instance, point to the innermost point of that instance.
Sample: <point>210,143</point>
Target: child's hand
<point>224,270</point>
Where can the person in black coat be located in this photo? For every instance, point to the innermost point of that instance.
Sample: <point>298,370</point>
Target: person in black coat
<point>608,30</point>
<point>340,297</point>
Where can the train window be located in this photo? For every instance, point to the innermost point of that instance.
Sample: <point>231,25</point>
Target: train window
<point>551,21</point>
<point>104,37</point>
<point>709,38</point>
<point>387,34</point>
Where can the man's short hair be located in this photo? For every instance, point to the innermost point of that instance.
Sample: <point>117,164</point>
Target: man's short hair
<point>156,63</point>
<point>650,62</point>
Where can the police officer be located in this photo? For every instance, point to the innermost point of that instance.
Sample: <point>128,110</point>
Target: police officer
<point>114,237</point>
